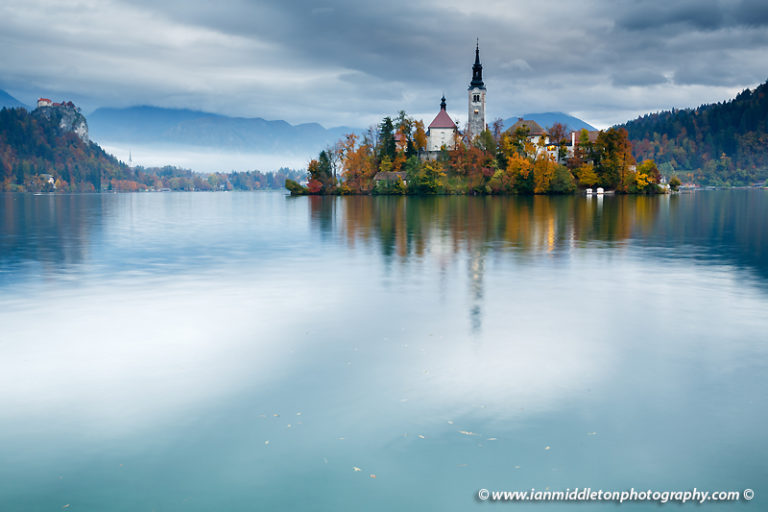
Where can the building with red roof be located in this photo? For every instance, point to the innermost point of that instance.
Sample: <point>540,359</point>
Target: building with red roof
<point>442,131</point>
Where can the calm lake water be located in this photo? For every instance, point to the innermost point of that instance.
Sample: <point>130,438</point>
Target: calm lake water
<point>248,351</point>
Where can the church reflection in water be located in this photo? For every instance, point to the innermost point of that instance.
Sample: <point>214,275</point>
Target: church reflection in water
<point>456,229</point>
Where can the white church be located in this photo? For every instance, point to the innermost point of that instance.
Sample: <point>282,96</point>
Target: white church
<point>443,131</point>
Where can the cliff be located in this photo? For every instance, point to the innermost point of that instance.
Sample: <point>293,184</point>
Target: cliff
<point>67,116</point>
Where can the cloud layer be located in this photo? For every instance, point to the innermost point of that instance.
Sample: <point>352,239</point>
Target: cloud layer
<point>343,62</point>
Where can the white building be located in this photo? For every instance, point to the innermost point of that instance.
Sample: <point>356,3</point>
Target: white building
<point>44,102</point>
<point>442,131</point>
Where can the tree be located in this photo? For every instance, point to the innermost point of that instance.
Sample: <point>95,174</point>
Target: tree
<point>294,188</point>
<point>486,142</point>
<point>647,177</point>
<point>543,172</point>
<point>557,133</point>
<point>613,158</point>
<point>520,172</point>
<point>586,175</point>
<point>562,181</point>
<point>498,128</point>
<point>387,139</point>
<point>419,136</point>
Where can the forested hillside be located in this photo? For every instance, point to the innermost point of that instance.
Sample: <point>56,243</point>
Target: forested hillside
<point>32,146</point>
<point>717,144</point>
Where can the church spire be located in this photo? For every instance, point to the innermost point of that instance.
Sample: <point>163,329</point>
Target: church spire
<point>477,70</point>
<point>442,103</point>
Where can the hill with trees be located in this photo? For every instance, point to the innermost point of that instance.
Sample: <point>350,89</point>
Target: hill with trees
<point>718,144</point>
<point>35,148</point>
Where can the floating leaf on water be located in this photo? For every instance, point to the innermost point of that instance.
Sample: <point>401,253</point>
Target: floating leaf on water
<point>276,415</point>
<point>517,467</point>
<point>450,422</point>
<point>547,447</point>
<point>491,439</point>
<point>298,414</point>
<point>468,433</point>
<point>356,469</point>
<point>266,443</point>
<point>591,433</point>
<point>372,475</point>
<point>288,426</point>
<point>341,438</point>
<point>421,436</point>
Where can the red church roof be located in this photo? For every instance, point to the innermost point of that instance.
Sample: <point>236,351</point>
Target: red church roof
<point>44,99</point>
<point>442,120</point>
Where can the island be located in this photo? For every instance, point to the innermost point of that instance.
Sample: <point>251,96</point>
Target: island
<point>401,156</point>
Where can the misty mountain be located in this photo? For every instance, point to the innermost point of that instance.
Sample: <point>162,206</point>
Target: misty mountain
<point>8,101</point>
<point>155,125</point>
<point>547,119</point>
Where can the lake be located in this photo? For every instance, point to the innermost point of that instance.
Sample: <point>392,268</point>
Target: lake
<point>252,351</point>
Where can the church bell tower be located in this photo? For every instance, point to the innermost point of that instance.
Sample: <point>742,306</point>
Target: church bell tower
<point>476,117</point>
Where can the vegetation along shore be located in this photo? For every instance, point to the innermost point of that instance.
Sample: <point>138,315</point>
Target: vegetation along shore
<point>523,159</point>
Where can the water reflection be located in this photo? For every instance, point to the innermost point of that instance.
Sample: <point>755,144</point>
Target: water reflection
<point>709,227</point>
<point>409,228</point>
<point>48,229</point>
<point>371,332</point>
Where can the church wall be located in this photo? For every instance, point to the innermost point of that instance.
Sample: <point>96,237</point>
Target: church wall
<point>439,137</point>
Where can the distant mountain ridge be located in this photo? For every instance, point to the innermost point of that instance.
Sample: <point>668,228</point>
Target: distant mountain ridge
<point>8,101</point>
<point>158,125</point>
<point>547,119</point>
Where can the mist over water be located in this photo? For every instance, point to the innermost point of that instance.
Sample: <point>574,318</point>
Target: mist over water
<point>206,160</point>
<point>247,351</point>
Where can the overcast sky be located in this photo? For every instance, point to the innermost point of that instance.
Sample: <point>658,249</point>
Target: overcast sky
<point>351,62</point>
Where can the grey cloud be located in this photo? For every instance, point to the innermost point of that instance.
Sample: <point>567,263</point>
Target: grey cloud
<point>348,62</point>
<point>700,14</point>
<point>639,77</point>
<point>697,14</point>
